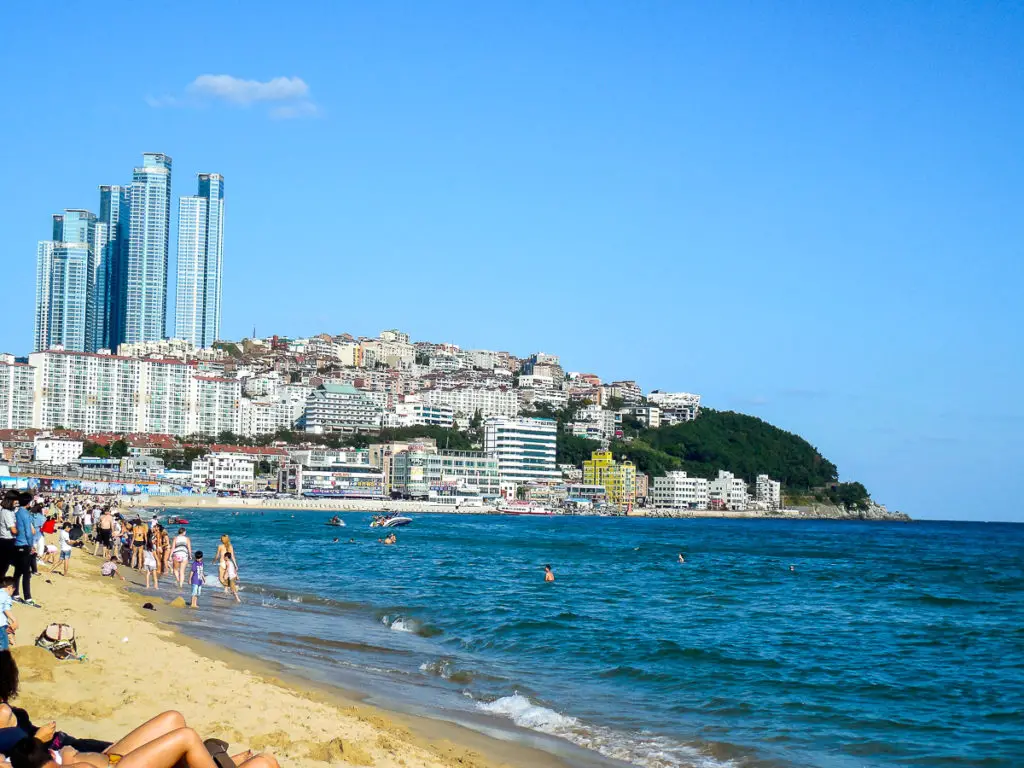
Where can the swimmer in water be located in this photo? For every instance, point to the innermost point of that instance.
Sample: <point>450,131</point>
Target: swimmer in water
<point>681,558</point>
<point>335,541</point>
<point>792,568</point>
<point>548,573</point>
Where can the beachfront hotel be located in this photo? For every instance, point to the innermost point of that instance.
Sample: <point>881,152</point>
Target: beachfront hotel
<point>525,449</point>
<point>200,262</point>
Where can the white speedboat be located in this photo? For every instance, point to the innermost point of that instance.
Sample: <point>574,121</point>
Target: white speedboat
<point>391,521</point>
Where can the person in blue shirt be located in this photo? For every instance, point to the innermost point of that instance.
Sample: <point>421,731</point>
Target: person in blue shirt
<point>24,538</point>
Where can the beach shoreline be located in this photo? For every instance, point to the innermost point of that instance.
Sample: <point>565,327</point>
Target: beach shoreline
<point>237,503</point>
<point>222,693</point>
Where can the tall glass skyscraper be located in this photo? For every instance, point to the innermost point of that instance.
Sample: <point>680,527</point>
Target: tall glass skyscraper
<point>145,268</point>
<point>65,276</point>
<point>200,262</point>
<point>110,258</point>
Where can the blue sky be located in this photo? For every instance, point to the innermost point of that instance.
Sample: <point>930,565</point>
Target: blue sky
<point>812,212</point>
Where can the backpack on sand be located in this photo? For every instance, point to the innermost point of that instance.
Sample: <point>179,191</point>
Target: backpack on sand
<point>59,639</point>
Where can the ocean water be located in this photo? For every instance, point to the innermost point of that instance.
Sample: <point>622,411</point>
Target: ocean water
<point>886,645</point>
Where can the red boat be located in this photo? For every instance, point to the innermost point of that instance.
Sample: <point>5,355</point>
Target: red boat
<point>177,521</point>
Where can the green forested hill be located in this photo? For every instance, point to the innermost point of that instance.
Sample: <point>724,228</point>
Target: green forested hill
<point>735,442</point>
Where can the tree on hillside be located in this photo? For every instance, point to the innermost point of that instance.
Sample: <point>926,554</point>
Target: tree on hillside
<point>574,450</point>
<point>94,450</point>
<point>118,449</point>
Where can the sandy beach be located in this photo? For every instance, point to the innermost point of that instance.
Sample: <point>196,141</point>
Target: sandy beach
<point>137,667</point>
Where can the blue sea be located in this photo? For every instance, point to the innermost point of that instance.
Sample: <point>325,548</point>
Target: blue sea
<point>885,644</point>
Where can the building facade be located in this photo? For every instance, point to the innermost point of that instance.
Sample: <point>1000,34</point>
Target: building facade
<point>200,262</point>
<point>618,478</point>
<point>525,449</point>
<point>768,492</point>
<point>16,384</point>
<point>145,268</point>
<point>63,296</point>
<point>223,472</point>
<point>122,395</point>
<point>340,408</point>
<point>466,401</point>
<point>677,490</point>
<point>729,492</point>
<point>59,451</point>
<point>676,407</point>
<point>111,252</point>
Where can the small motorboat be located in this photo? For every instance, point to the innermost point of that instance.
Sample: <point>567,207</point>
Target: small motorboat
<point>177,521</point>
<point>336,521</point>
<point>390,521</point>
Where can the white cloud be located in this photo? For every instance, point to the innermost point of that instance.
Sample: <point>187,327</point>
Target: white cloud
<point>285,97</point>
<point>239,91</point>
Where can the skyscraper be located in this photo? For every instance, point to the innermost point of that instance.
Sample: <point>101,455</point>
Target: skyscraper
<point>110,258</point>
<point>145,268</point>
<point>65,274</point>
<point>62,296</point>
<point>200,262</point>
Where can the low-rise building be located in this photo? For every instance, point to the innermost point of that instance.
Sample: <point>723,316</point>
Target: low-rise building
<point>412,411</point>
<point>341,408</point>
<point>424,472</point>
<point>768,492</point>
<point>223,472</point>
<point>649,416</point>
<point>59,451</point>
<point>617,478</point>
<point>677,490</point>
<point>467,401</point>
<point>729,492</point>
<point>676,407</point>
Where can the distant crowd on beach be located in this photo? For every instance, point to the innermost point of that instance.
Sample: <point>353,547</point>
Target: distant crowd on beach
<point>38,531</point>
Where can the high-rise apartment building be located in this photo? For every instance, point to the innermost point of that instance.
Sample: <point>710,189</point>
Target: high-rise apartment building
<point>65,273</point>
<point>62,295</point>
<point>110,257</point>
<point>200,261</point>
<point>16,383</point>
<point>110,393</point>
<point>145,269</point>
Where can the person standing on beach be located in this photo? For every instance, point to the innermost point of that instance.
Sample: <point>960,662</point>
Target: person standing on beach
<point>140,532</point>
<point>149,564</point>
<point>198,578</point>
<point>181,553</point>
<point>105,534</point>
<point>6,532</point>
<point>161,549</point>
<point>231,576</point>
<point>224,549</point>
<point>24,535</point>
<point>549,575</point>
<point>65,549</point>
<point>39,540</point>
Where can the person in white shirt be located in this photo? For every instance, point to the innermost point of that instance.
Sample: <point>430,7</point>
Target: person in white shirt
<point>65,549</point>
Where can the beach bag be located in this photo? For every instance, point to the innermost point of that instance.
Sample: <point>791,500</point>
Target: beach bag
<point>59,639</point>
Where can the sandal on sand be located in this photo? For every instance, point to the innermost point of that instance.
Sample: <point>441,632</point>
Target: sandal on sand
<point>219,752</point>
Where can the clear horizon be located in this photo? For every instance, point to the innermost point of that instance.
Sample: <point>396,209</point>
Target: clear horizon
<point>809,214</point>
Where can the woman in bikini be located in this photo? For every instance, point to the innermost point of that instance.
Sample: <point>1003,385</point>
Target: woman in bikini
<point>163,742</point>
<point>181,553</point>
<point>161,549</point>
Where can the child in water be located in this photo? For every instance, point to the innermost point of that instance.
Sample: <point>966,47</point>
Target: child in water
<point>231,575</point>
<point>198,578</point>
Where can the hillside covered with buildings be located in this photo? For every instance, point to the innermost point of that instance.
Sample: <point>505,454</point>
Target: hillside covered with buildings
<point>379,417</point>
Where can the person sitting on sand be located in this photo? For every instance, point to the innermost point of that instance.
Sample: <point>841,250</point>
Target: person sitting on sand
<point>163,742</point>
<point>109,568</point>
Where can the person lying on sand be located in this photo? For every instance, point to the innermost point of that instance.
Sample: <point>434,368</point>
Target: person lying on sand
<point>163,742</point>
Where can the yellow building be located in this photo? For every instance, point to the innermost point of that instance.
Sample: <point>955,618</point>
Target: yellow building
<point>617,478</point>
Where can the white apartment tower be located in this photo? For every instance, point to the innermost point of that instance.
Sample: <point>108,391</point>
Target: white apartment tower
<point>525,449</point>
